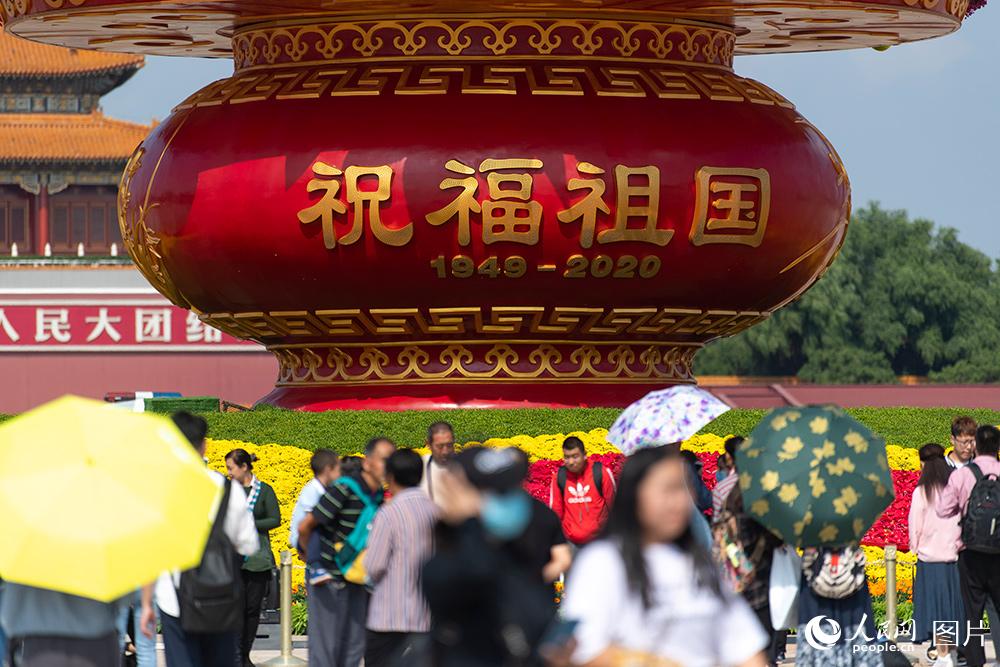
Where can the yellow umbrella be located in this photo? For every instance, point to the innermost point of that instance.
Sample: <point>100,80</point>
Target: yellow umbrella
<point>96,501</point>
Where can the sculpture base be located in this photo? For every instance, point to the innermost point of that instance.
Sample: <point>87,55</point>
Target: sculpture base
<point>475,374</point>
<point>495,395</point>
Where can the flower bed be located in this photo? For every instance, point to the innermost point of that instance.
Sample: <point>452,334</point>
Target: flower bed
<point>286,468</point>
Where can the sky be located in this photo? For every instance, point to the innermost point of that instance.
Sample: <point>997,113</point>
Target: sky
<point>918,126</point>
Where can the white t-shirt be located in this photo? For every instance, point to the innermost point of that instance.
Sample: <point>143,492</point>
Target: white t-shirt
<point>686,624</point>
<point>239,527</point>
<point>956,464</point>
<point>432,476</point>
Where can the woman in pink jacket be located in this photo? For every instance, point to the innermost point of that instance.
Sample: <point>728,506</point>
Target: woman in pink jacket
<point>937,593</point>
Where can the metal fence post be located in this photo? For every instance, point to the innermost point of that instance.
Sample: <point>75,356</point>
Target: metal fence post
<point>286,659</point>
<point>891,621</point>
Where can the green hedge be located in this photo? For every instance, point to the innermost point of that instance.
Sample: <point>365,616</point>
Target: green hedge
<point>167,406</point>
<point>346,431</point>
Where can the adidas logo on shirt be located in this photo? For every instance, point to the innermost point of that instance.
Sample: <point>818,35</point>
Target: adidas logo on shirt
<point>578,493</point>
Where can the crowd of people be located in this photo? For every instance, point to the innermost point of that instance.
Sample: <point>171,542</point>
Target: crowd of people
<point>445,560</point>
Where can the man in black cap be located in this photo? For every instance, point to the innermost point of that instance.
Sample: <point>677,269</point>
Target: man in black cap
<point>498,550</point>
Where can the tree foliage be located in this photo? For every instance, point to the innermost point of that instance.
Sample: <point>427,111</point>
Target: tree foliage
<point>903,298</point>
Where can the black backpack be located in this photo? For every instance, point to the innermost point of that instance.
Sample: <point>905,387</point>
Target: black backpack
<point>598,479</point>
<point>210,595</point>
<point>981,523</point>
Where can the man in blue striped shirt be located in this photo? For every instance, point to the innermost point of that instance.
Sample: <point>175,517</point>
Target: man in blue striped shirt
<point>401,542</point>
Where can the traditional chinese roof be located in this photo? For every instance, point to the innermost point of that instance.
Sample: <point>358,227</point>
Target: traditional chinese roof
<point>24,58</point>
<point>67,137</point>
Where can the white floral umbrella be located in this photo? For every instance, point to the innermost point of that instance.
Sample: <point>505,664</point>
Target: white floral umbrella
<point>664,416</point>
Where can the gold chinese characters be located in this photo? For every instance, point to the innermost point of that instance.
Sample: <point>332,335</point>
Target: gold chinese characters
<point>325,208</point>
<point>743,209</point>
<point>732,204</point>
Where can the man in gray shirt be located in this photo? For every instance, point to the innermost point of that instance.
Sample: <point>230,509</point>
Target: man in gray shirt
<point>50,629</point>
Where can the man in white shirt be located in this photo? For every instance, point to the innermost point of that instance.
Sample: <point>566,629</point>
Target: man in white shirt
<point>441,440</point>
<point>185,649</point>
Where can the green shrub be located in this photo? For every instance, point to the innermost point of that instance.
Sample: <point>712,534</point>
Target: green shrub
<point>347,431</point>
<point>167,406</point>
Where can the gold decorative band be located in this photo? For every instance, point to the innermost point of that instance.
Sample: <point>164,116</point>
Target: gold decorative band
<point>456,39</point>
<point>573,79</point>
<point>488,361</point>
<point>700,325</point>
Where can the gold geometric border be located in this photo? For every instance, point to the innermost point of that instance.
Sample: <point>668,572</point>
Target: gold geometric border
<point>572,79</point>
<point>483,320</point>
<point>490,361</point>
<point>506,38</point>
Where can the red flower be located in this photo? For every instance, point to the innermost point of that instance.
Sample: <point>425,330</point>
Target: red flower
<point>893,526</point>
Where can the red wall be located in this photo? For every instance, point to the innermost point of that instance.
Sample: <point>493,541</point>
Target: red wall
<point>27,380</point>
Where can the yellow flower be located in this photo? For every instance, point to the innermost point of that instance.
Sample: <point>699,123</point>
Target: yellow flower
<point>829,533</point>
<point>901,458</point>
<point>549,447</point>
<point>760,507</point>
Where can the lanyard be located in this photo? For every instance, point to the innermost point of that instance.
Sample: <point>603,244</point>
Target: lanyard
<point>254,494</point>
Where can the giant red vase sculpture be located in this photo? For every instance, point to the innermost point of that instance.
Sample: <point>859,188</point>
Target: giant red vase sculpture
<point>480,202</point>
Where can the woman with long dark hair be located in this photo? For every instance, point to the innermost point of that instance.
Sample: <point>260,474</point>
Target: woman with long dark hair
<point>937,592</point>
<point>647,592</point>
<point>262,502</point>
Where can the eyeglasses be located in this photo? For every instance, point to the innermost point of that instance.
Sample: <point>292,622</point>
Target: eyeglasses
<point>965,443</point>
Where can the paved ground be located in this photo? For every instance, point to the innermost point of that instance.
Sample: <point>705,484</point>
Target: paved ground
<point>266,648</point>
<point>916,654</point>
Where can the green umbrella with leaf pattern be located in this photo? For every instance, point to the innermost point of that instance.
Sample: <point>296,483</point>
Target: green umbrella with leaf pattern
<point>814,476</point>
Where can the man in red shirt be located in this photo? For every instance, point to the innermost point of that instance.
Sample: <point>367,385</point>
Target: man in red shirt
<point>581,493</point>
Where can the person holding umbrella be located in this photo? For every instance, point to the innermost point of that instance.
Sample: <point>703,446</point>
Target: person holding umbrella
<point>81,530</point>
<point>184,646</point>
<point>52,628</point>
<point>818,479</point>
<point>744,551</point>
<point>667,417</point>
